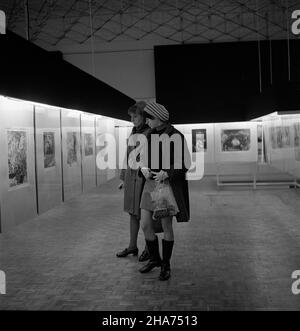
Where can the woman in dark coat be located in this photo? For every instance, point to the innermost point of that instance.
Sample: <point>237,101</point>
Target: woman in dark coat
<point>175,174</point>
<point>133,182</point>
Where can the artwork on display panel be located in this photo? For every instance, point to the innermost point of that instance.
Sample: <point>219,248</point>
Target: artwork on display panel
<point>297,140</point>
<point>235,140</point>
<point>49,150</point>
<point>280,137</point>
<point>88,144</point>
<point>17,157</point>
<point>72,147</point>
<point>199,140</point>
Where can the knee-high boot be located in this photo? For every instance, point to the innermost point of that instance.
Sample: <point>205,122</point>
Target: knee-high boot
<point>155,260</point>
<point>165,272</point>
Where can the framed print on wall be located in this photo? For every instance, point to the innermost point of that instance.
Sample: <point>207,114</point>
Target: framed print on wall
<point>49,149</point>
<point>17,157</point>
<point>199,140</point>
<point>235,140</point>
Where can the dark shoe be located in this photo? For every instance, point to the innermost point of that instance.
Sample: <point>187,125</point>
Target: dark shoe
<point>149,266</point>
<point>155,260</point>
<point>127,251</point>
<point>165,272</point>
<point>145,256</point>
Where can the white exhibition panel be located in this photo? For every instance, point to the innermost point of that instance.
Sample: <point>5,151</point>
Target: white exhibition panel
<point>228,147</point>
<point>100,130</point>
<point>190,133</point>
<point>122,133</point>
<point>48,157</point>
<point>70,122</point>
<point>88,152</point>
<point>104,125</point>
<point>110,127</point>
<point>17,163</point>
<point>281,137</point>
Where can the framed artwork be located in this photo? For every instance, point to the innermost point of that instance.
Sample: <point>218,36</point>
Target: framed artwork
<point>17,157</point>
<point>235,140</point>
<point>199,140</point>
<point>280,137</point>
<point>49,150</point>
<point>88,144</point>
<point>297,141</point>
<point>72,147</point>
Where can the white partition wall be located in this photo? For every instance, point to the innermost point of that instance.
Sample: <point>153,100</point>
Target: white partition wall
<point>71,148</point>
<point>283,142</point>
<point>200,136</point>
<point>110,129</point>
<point>17,164</point>
<point>88,151</point>
<point>48,157</point>
<point>104,126</point>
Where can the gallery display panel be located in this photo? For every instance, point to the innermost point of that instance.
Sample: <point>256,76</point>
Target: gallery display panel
<point>88,144</point>
<point>17,163</point>
<point>71,153</point>
<point>282,141</point>
<point>200,138</point>
<point>48,157</point>
<point>105,126</point>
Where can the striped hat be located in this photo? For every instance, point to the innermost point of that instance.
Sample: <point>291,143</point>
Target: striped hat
<point>157,110</point>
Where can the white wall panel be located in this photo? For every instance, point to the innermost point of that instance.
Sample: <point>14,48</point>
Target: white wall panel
<point>70,122</point>
<point>48,156</point>
<point>104,126</point>
<point>88,151</point>
<point>17,193</point>
<point>209,153</point>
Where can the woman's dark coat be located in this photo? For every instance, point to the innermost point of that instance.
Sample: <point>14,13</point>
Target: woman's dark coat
<point>133,180</point>
<point>177,177</point>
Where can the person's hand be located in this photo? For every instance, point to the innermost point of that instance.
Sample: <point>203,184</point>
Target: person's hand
<point>146,172</point>
<point>160,176</point>
<point>121,185</point>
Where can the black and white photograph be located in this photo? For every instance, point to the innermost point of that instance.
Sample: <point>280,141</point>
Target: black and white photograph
<point>297,140</point>
<point>280,137</point>
<point>17,157</point>
<point>149,161</point>
<point>235,140</point>
<point>88,144</point>
<point>199,140</point>
<point>72,147</point>
<point>49,149</point>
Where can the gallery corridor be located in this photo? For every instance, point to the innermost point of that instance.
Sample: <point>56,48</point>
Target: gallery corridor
<point>237,252</point>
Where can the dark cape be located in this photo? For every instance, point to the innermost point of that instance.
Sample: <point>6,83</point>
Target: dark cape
<point>177,177</point>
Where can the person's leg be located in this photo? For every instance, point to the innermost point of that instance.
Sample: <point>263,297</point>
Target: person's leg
<point>167,225</point>
<point>146,223</point>
<point>151,241</point>
<point>167,244</point>
<point>134,230</point>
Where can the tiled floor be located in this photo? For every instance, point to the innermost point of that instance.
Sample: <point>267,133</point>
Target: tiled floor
<point>238,252</point>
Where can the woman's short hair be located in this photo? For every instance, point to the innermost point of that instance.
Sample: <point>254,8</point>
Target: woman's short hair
<point>137,108</point>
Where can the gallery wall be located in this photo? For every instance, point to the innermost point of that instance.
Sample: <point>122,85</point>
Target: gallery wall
<point>247,149</point>
<point>282,134</point>
<point>48,156</point>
